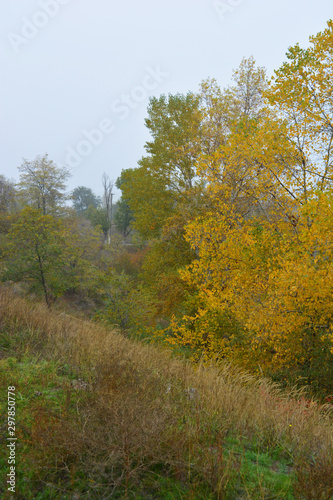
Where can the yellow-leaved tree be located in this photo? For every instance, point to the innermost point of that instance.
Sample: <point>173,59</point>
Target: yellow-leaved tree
<point>263,273</point>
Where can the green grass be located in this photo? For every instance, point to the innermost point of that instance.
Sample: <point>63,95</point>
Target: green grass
<point>42,399</point>
<point>265,474</point>
<point>45,399</point>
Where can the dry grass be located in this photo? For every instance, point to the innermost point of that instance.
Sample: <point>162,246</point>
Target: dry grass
<point>129,420</point>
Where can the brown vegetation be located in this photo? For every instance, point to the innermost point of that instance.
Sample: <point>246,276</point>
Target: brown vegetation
<point>136,410</point>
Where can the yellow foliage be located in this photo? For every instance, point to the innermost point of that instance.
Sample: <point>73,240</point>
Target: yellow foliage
<point>264,247</point>
<point>276,283</point>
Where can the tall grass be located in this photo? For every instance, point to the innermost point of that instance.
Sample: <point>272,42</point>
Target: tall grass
<point>146,416</point>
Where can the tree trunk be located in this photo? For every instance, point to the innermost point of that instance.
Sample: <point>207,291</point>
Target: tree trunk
<point>46,295</point>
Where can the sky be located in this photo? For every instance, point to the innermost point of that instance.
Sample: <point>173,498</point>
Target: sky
<point>77,75</point>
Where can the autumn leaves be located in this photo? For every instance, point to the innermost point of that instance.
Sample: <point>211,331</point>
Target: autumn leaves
<point>243,175</point>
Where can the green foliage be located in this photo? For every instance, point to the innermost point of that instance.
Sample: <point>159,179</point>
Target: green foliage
<point>82,198</point>
<point>148,198</point>
<point>160,271</point>
<point>34,252</point>
<point>42,184</point>
<point>126,304</point>
<point>154,190</point>
<point>98,218</point>
<point>44,252</point>
<point>123,215</point>
<point>174,123</point>
<point>123,218</point>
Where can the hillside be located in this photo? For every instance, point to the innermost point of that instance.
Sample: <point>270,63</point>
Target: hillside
<point>102,416</point>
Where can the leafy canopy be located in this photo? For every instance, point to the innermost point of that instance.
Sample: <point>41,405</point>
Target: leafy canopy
<point>42,184</point>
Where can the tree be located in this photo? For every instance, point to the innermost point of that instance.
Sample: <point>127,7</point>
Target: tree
<point>123,218</point>
<point>174,123</point>
<point>263,267</point>
<point>8,203</point>
<point>155,189</point>
<point>35,253</point>
<point>82,198</point>
<point>52,255</point>
<point>98,218</point>
<point>247,96</point>
<point>123,215</point>
<point>7,195</point>
<point>107,202</point>
<point>149,201</point>
<point>302,93</point>
<point>276,284</point>
<point>42,184</point>
<point>164,193</point>
<point>187,134</point>
<point>221,109</point>
<point>127,304</point>
<point>233,120</point>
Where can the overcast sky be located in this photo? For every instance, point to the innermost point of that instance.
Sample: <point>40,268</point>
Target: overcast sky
<point>76,75</point>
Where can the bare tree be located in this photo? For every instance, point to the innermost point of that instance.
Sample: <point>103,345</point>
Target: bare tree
<point>108,185</point>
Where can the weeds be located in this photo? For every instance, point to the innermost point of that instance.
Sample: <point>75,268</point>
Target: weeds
<point>101,416</point>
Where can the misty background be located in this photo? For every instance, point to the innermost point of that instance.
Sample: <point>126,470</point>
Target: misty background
<point>76,76</point>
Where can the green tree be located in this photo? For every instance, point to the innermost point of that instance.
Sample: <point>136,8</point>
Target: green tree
<point>123,217</point>
<point>98,218</point>
<point>123,214</point>
<point>45,252</point>
<point>154,190</point>
<point>82,198</point>
<point>42,184</point>
<point>174,123</point>
<point>148,199</point>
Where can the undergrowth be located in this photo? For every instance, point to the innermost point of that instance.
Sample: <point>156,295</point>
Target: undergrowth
<point>102,416</point>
